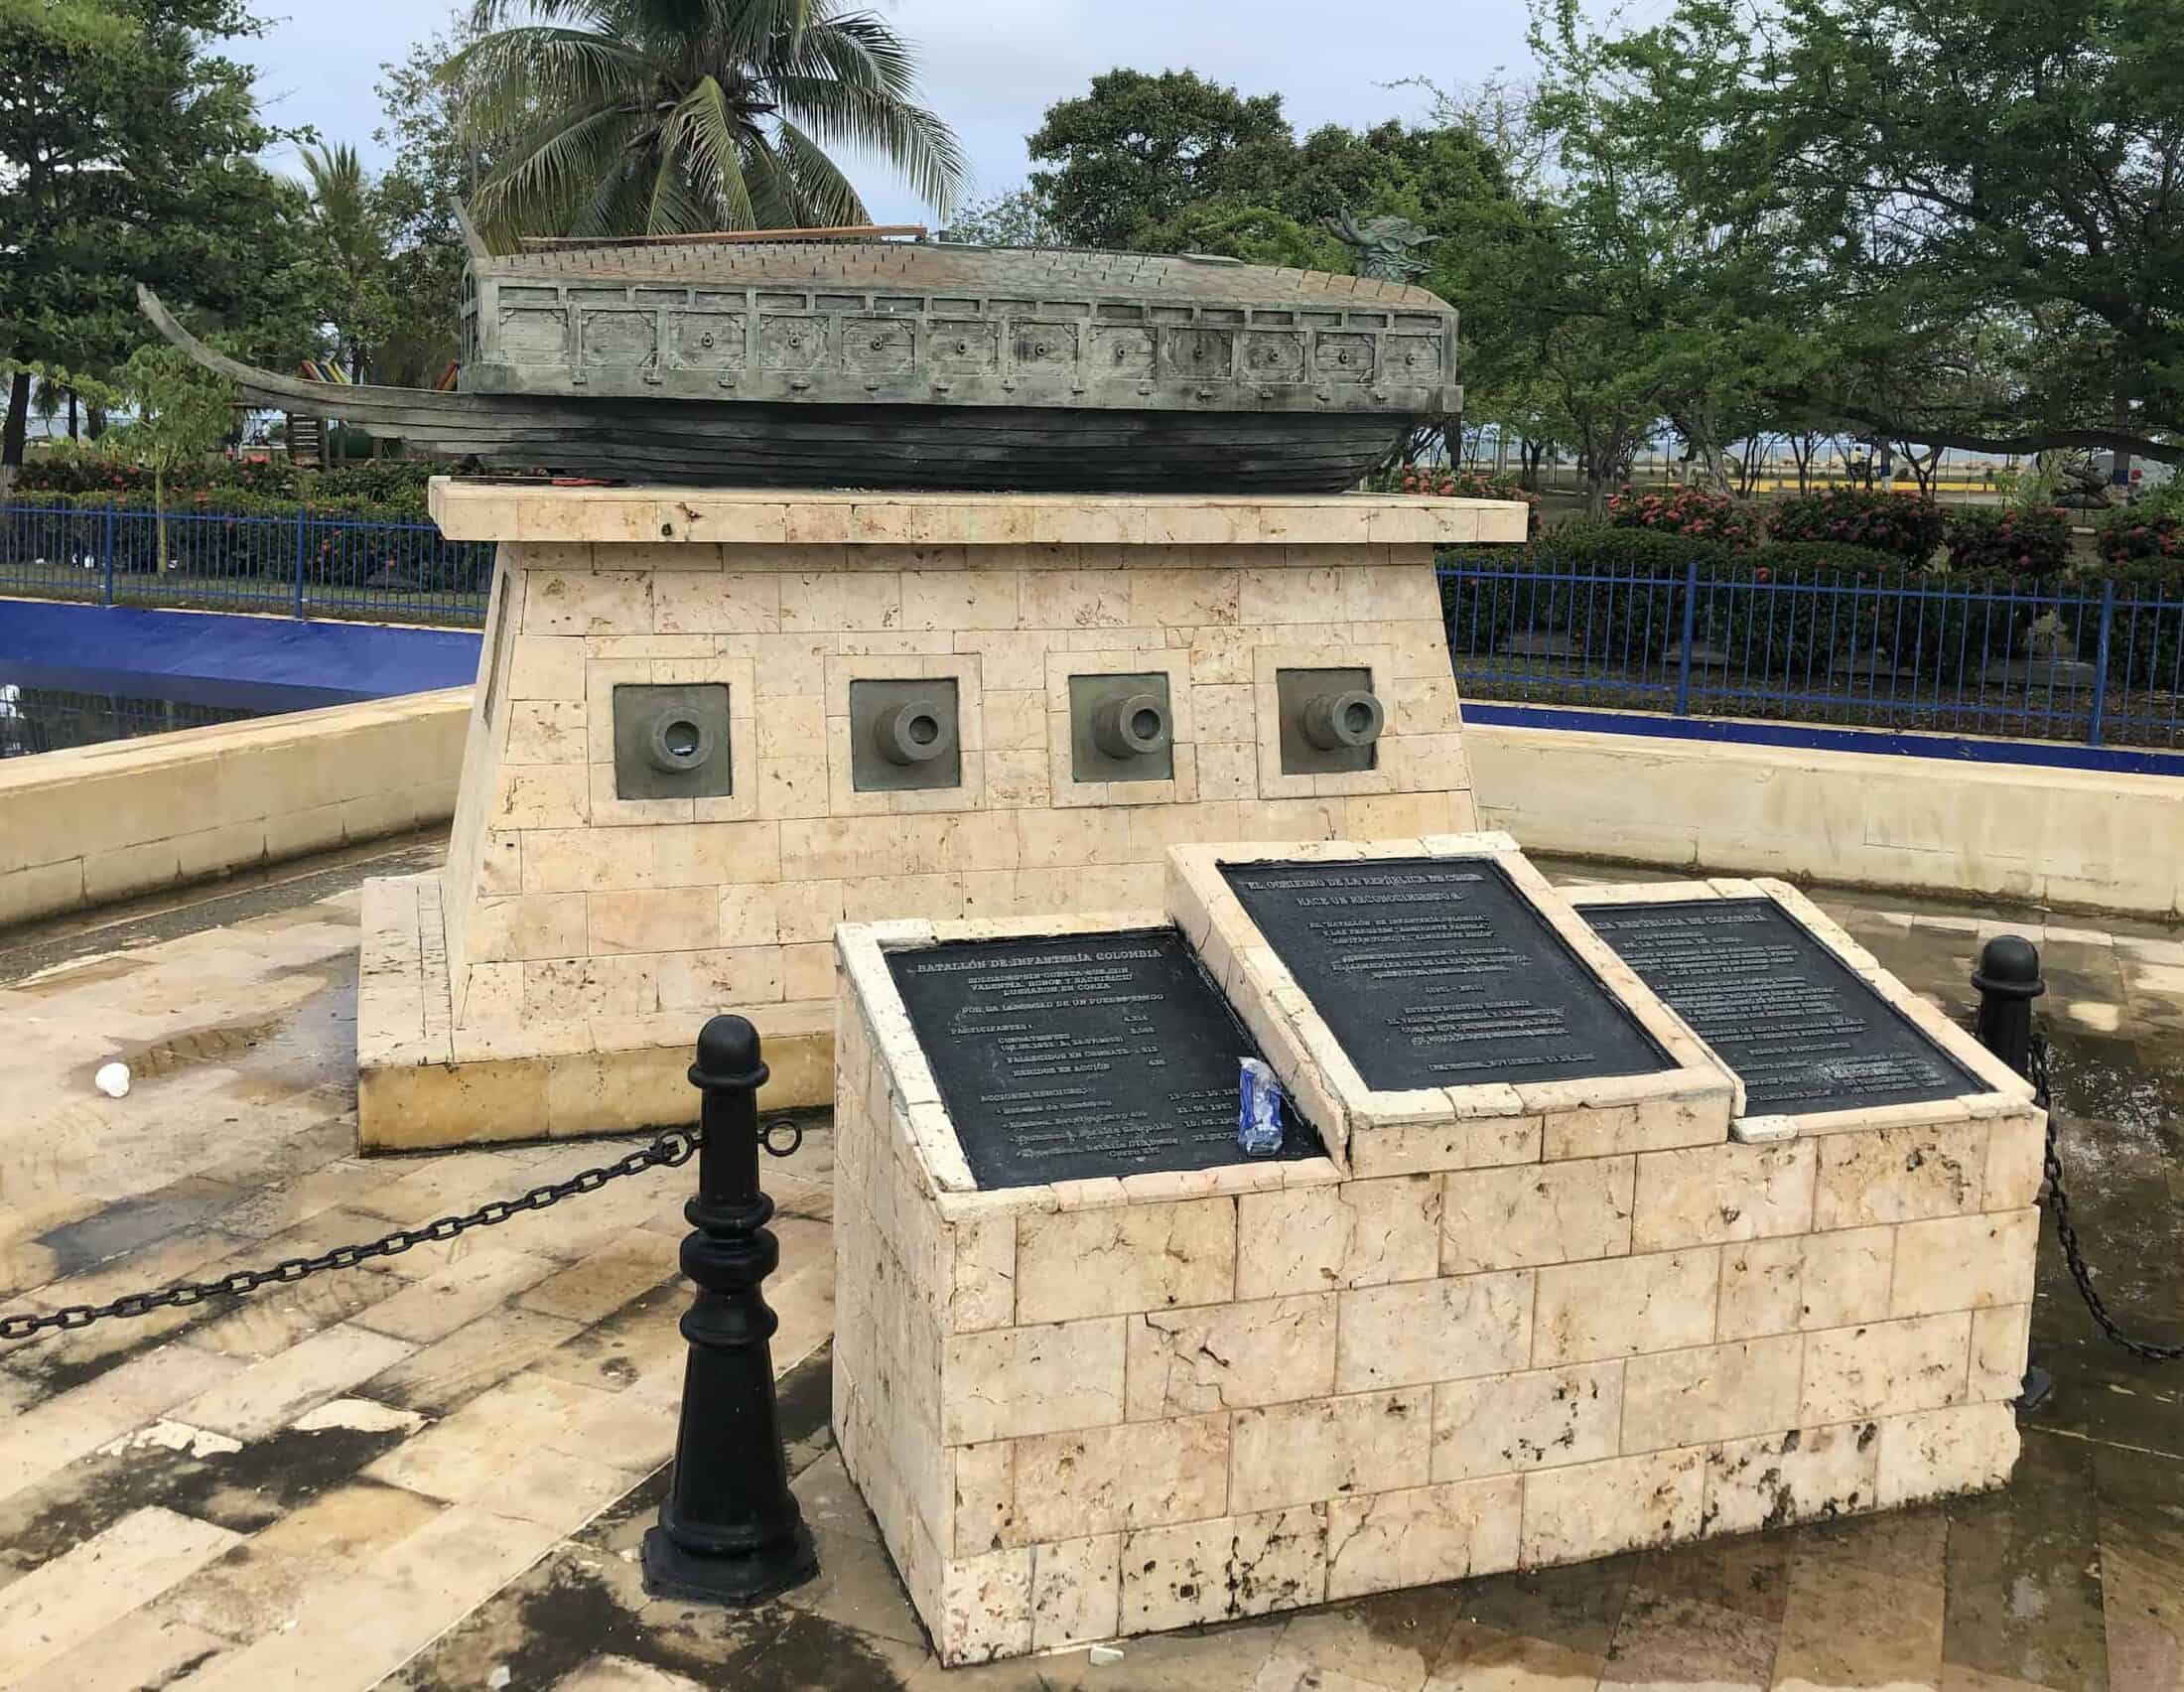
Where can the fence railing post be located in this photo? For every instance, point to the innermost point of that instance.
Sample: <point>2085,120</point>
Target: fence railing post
<point>299,540</point>
<point>106,551</point>
<point>1691,613</point>
<point>2101,663</point>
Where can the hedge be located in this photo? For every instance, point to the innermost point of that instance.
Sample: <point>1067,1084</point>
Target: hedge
<point>1693,512</point>
<point>2145,648</point>
<point>2127,536</point>
<point>1988,537</point>
<point>395,483</point>
<point>1905,525</point>
<point>1447,483</point>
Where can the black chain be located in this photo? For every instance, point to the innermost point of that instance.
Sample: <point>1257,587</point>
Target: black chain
<point>672,1150</point>
<point>2067,1231</point>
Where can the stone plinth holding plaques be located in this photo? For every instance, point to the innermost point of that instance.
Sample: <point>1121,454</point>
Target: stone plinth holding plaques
<point>1719,1335</point>
<point>1512,1296</point>
<point>1910,1275</point>
<point>1097,1375</point>
<point>1078,1337</point>
<point>711,724</point>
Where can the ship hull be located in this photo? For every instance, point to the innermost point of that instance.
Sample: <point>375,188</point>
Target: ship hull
<point>896,447</point>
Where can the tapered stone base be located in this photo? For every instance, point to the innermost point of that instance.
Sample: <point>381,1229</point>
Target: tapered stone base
<point>423,1082</point>
<point>579,936</point>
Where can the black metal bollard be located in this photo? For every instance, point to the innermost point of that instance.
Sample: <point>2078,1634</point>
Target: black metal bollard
<point>729,1532</point>
<point>2007,980</point>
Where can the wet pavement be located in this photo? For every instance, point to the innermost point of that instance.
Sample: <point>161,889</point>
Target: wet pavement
<point>432,1472</point>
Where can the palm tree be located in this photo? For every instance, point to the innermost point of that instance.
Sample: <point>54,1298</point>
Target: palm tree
<point>346,212</point>
<point>664,117</point>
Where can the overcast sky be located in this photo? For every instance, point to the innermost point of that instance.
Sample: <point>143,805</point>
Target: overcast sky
<point>991,66</point>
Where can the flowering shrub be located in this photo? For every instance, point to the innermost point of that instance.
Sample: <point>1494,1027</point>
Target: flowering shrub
<point>1693,511</point>
<point>2034,542</point>
<point>2131,536</point>
<point>398,483</point>
<point>89,471</point>
<point>1909,527</point>
<point>1444,482</point>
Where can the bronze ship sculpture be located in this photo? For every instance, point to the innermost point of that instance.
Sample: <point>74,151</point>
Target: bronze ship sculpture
<point>909,364</point>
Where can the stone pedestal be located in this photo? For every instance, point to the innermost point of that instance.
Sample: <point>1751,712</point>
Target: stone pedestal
<point>551,979</point>
<point>1467,1340</point>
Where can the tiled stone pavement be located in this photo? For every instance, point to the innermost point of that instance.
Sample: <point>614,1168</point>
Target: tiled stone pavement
<point>432,1472</point>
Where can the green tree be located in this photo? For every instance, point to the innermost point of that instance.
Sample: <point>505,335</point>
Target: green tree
<point>1139,151</point>
<point>128,151</point>
<point>1690,308</point>
<point>679,116</point>
<point>439,158</point>
<point>182,412</point>
<point>2005,177</point>
<point>347,218</point>
<point>1014,218</point>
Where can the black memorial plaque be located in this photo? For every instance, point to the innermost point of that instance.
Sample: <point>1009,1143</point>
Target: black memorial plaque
<point>1082,1056</point>
<point>1805,1031</point>
<point>1437,972</point>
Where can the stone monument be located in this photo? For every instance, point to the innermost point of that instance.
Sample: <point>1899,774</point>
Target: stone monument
<point>1513,1296</point>
<point>1059,572</point>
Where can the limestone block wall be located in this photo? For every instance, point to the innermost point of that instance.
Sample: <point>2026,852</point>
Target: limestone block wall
<point>566,902</point>
<point>2099,839</point>
<point>585,936</point>
<point>1108,1407</point>
<point>98,823</point>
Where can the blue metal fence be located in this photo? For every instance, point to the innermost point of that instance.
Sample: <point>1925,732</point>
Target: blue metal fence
<point>2100,662</point>
<point>302,564</point>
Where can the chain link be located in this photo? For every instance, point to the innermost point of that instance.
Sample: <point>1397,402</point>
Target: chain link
<point>670,1151</point>
<point>2067,1231</point>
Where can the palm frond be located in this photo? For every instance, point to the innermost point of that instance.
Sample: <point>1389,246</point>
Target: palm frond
<point>677,114</point>
<point>511,73</point>
<point>710,135</point>
<point>486,14</point>
<point>922,149</point>
<point>672,206</point>
<point>774,202</point>
<point>758,30</point>
<point>823,197</point>
<point>616,205</point>
<point>860,50</point>
<point>553,169</point>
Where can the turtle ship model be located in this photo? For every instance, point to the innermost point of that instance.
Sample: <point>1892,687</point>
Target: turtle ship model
<point>907,364</point>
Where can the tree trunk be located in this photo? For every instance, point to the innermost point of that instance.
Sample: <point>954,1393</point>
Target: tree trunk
<point>19,420</point>
<point>159,510</point>
<point>72,434</point>
<point>1600,479</point>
